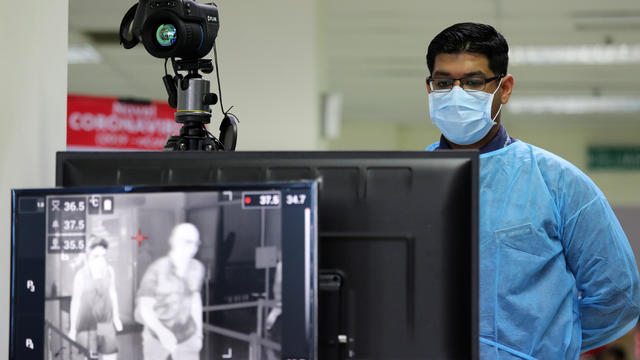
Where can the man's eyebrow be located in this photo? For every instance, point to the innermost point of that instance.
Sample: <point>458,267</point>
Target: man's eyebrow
<point>440,73</point>
<point>444,73</point>
<point>474,73</point>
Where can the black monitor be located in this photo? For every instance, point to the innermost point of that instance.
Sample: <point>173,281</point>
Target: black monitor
<point>398,238</point>
<point>218,272</point>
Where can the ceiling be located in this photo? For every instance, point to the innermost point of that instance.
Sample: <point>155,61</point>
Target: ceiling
<point>374,51</point>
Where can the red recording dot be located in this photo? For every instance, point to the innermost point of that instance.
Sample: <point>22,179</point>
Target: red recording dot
<point>247,200</point>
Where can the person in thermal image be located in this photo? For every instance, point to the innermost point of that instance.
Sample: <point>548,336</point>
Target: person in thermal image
<point>169,304</point>
<point>94,303</point>
<point>272,323</point>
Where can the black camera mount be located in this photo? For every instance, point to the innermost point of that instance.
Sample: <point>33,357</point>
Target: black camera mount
<point>183,29</point>
<point>190,96</point>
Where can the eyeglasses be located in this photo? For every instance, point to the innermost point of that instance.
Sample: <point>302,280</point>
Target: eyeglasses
<point>471,83</point>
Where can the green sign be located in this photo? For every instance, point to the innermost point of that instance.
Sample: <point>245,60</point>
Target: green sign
<point>613,157</point>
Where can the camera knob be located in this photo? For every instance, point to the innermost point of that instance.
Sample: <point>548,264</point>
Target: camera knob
<point>210,99</point>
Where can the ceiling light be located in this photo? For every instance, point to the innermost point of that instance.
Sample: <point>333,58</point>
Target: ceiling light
<point>595,54</point>
<point>83,54</point>
<point>573,105</point>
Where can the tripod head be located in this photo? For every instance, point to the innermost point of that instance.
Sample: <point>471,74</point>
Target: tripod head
<point>187,30</point>
<point>189,95</point>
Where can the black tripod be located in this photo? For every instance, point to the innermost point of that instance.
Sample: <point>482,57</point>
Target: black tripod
<point>190,96</point>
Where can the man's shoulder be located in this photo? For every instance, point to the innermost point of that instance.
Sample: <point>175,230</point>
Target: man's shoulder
<point>550,162</point>
<point>196,265</point>
<point>151,276</point>
<point>160,264</point>
<point>545,159</point>
<point>561,173</point>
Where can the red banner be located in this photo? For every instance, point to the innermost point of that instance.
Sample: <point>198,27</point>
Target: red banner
<point>104,123</point>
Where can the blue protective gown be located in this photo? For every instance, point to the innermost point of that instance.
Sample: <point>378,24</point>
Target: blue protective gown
<point>557,274</point>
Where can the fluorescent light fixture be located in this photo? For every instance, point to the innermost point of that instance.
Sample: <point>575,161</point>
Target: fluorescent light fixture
<point>83,54</point>
<point>608,20</point>
<point>573,105</point>
<point>332,114</point>
<point>575,54</point>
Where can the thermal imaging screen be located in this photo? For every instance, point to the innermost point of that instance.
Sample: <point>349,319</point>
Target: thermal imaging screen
<point>164,273</point>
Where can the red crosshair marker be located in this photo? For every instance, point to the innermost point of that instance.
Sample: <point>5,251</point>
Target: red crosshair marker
<point>139,237</point>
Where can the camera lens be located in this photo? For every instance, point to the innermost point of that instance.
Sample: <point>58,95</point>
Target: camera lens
<point>166,35</point>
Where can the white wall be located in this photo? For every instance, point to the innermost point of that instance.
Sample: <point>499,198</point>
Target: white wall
<point>33,103</point>
<point>267,56</point>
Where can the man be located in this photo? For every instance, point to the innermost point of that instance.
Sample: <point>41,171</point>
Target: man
<point>169,304</point>
<point>557,274</point>
<point>94,314</point>
<point>273,323</point>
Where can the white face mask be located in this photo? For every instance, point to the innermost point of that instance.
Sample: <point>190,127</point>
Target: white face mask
<point>98,266</point>
<point>463,117</point>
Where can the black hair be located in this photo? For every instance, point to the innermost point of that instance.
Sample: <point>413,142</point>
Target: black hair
<point>95,241</point>
<point>471,38</point>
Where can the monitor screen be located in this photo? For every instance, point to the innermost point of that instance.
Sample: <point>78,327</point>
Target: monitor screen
<point>199,272</point>
<point>397,244</point>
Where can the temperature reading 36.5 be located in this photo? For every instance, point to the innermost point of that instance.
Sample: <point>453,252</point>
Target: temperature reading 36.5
<point>71,206</point>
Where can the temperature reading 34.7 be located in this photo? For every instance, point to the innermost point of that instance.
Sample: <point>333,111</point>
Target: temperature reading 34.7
<point>296,199</point>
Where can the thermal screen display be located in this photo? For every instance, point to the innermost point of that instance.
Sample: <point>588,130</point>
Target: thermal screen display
<point>224,272</point>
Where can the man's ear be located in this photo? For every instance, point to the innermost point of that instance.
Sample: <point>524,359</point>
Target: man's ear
<point>426,81</point>
<point>506,87</point>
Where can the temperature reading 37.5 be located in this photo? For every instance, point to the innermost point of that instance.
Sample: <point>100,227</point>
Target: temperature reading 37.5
<point>270,199</point>
<point>261,200</point>
<point>72,225</point>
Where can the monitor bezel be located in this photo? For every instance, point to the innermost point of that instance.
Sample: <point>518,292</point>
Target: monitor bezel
<point>307,185</point>
<point>161,163</point>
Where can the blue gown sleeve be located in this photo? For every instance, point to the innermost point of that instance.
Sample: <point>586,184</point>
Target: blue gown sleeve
<point>433,146</point>
<point>599,255</point>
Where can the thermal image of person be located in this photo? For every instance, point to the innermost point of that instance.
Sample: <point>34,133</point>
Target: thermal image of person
<point>169,304</point>
<point>272,322</point>
<point>94,303</point>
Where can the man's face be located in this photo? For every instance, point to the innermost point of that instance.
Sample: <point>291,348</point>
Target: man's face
<point>96,258</point>
<point>457,66</point>
<point>185,241</point>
